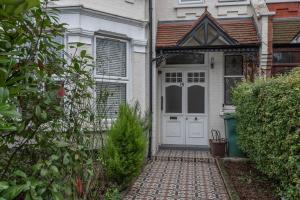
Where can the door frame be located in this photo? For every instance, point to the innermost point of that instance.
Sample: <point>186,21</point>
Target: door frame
<point>184,69</point>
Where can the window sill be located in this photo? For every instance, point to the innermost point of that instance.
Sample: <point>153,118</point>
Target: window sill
<point>286,64</point>
<point>191,6</point>
<point>226,110</point>
<point>235,3</point>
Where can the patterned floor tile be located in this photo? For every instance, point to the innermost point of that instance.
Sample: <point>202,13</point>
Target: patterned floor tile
<point>179,174</point>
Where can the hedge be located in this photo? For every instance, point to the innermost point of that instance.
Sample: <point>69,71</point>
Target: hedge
<point>268,128</point>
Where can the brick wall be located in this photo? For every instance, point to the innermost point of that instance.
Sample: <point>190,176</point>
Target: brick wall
<point>282,10</point>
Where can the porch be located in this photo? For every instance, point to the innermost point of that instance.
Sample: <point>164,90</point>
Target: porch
<point>196,70</point>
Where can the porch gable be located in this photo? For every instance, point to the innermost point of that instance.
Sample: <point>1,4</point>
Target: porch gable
<point>206,31</point>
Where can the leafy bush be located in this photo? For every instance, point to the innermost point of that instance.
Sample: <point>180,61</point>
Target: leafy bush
<point>124,152</point>
<point>112,194</point>
<point>268,126</point>
<point>44,107</point>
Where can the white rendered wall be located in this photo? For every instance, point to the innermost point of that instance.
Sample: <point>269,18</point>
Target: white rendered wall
<point>134,9</point>
<point>216,93</point>
<point>85,24</point>
<point>173,10</point>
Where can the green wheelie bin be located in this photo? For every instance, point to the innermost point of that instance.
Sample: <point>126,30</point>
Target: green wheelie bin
<point>230,132</point>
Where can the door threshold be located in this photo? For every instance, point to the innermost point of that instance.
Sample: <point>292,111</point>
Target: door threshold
<point>184,147</point>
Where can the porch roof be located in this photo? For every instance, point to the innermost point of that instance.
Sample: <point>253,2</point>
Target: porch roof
<point>242,30</point>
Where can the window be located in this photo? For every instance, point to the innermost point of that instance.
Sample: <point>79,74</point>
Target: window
<point>111,57</point>
<point>286,57</point>
<point>173,77</point>
<point>111,75</point>
<point>174,99</point>
<point>233,75</point>
<point>190,1</point>
<point>196,77</point>
<point>191,58</point>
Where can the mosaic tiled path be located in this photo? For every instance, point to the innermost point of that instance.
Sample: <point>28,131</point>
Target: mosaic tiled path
<point>179,174</point>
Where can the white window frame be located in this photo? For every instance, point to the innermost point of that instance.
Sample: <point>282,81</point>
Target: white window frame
<point>233,1</point>
<point>191,2</point>
<point>114,79</point>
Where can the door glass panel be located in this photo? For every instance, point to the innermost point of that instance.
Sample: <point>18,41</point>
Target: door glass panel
<point>173,99</point>
<point>196,99</point>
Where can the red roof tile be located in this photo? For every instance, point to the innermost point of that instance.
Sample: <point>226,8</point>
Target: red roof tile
<point>242,30</point>
<point>285,31</point>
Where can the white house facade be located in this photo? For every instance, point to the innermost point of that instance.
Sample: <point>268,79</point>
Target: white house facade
<point>115,34</point>
<point>178,58</point>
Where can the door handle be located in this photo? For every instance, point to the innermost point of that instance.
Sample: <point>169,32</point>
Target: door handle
<point>196,118</point>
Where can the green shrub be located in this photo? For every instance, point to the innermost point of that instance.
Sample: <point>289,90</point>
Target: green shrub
<point>123,153</point>
<point>112,194</point>
<point>268,126</point>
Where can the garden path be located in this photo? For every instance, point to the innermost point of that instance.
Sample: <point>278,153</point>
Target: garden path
<point>179,174</point>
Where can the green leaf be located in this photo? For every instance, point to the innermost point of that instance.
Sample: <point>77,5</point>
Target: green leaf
<point>7,127</point>
<point>79,44</point>
<point>44,172</point>
<point>28,196</point>
<point>83,53</point>
<point>57,196</point>
<point>38,111</point>
<point>66,159</point>
<point>14,191</point>
<point>32,3</point>
<point>3,185</point>
<point>54,170</point>
<point>4,93</point>
<point>44,115</point>
<point>20,174</point>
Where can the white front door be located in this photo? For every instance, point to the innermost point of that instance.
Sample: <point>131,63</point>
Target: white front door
<point>185,107</point>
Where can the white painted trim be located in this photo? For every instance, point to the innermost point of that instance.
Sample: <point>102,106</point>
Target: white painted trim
<point>185,69</point>
<point>116,79</point>
<point>190,2</point>
<point>231,3</point>
<point>281,1</point>
<point>140,46</point>
<point>80,9</point>
<point>190,6</point>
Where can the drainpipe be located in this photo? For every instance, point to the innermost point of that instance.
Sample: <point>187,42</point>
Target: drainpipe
<point>150,75</point>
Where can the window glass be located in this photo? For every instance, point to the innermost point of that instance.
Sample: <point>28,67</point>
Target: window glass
<point>286,57</point>
<point>230,83</point>
<point>173,77</point>
<point>110,57</point>
<point>196,77</point>
<point>116,95</point>
<point>233,75</point>
<point>185,59</point>
<point>233,65</point>
<point>173,99</point>
<point>196,99</point>
<point>111,61</point>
